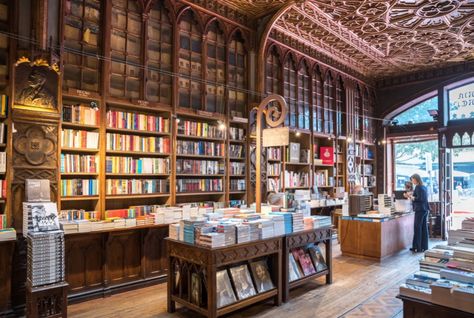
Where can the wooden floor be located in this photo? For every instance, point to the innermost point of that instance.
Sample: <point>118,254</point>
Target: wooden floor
<point>361,288</point>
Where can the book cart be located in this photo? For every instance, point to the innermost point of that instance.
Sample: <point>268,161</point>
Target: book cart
<point>301,239</point>
<point>186,258</point>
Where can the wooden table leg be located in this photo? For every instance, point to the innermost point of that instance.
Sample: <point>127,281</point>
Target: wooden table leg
<point>212,292</point>
<point>171,284</point>
<point>280,277</point>
<point>285,279</point>
<point>328,243</point>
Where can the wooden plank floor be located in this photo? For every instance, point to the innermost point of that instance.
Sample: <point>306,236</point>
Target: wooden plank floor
<point>361,288</point>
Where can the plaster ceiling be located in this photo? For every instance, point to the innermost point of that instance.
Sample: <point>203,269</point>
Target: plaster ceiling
<point>379,38</point>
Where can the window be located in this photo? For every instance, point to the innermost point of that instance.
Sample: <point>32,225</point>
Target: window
<point>419,157</point>
<point>417,113</point>
<point>290,91</point>
<point>126,49</point>
<point>328,105</point>
<point>215,68</point>
<point>159,48</point>
<point>303,98</point>
<point>317,102</point>
<point>237,76</point>
<point>340,108</point>
<point>461,102</point>
<point>81,45</point>
<point>273,73</point>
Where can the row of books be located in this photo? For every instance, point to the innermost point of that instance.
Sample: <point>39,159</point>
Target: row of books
<point>136,121</point>
<point>81,114</point>
<point>295,154</point>
<point>296,179</point>
<point>237,168</point>
<point>203,148</point>
<point>322,178</point>
<point>273,169</point>
<point>274,153</point>
<point>246,284</point>
<point>136,186</point>
<point>133,165</point>
<point>237,185</point>
<point>3,221</point>
<point>236,151</point>
<point>74,163</point>
<point>273,184</point>
<point>78,214</point>
<point>200,129</point>
<point>77,187</point>
<point>7,234</point>
<point>119,142</point>
<point>305,261</point>
<point>199,167</point>
<point>236,133</point>
<point>71,138</point>
<point>199,185</point>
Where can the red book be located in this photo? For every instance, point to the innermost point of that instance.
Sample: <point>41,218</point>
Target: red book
<point>327,155</point>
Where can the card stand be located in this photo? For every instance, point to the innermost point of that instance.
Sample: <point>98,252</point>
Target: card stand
<point>186,259</point>
<point>47,301</point>
<point>302,239</point>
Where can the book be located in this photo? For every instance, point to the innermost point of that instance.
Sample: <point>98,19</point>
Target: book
<point>40,217</point>
<point>224,292</point>
<point>242,282</point>
<point>327,155</point>
<point>196,289</point>
<point>37,190</point>
<point>304,261</point>
<point>261,276</point>
<point>293,269</point>
<point>317,258</point>
<point>294,152</point>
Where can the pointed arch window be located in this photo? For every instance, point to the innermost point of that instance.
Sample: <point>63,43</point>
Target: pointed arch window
<point>290,90</point>
<point>328,105</point>
<point>189,62</point>
<point>159,53</point>
<point>273,72</point>
<point>304,97</point>
<point>215,68</point>
<point>237,76</point>
<point>317,88</point>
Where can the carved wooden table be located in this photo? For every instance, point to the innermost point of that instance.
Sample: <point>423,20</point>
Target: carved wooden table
<point>417,308</point>
<point>47,301</point>
<point>184,258</point>
<point>301,239</point>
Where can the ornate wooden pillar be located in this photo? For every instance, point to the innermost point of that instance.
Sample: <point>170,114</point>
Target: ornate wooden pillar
<point>34,145</point>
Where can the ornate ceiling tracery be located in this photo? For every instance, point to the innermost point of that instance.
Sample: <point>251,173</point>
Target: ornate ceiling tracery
<point>379,38</point>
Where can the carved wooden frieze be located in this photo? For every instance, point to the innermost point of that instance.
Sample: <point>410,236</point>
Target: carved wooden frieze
<point>36,85</point>
<point>304,238</point>
<point>247,251</point>
<point>190,253</point>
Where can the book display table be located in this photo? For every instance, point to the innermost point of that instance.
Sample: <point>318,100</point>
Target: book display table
<point>415,308</point>
<point>186,260</point>
<point>375,238</point>
<point>302,239</point>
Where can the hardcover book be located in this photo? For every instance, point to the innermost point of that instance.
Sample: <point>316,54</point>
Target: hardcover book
<point>261,276</point>
<point>44,216</point>
<point>224,291</point>
<point>242,282</point>
<point>37,190</point>
<point>293,268</point>
<point>327,155</point>
<point>317,258</point>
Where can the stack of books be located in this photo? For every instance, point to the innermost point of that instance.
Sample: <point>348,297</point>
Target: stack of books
<point>287,221</point>
<point>229,233</point>
<point>242,233</point>
<point>321,221</point>
<point>187,227</point>
<point>297,221</point>
<point>174,231</point>
<point>266,229</point>
<point>254,229</point>
<point>7,234</point>
<point>433,262</point>
<point>278,224</point>
<point>45,257</point>
<point>468,224</point>
<point>213,239</point>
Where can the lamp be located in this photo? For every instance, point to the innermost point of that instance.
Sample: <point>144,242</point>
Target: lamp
<point>433,113</point>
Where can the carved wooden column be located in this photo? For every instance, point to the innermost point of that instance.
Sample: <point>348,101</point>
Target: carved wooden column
<point>34,147</point>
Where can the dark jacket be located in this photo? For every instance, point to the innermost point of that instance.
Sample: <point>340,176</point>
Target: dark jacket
<point>420,199</point>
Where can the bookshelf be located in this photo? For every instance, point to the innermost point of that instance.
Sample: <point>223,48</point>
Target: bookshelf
<point>274,169</point>
<point>137,157</point>
<point>200,164</point>
<point>5,221</point>
<point>296,167</point>
<point>236,163</point>
<point>80,155</point>
<point>324,162</point>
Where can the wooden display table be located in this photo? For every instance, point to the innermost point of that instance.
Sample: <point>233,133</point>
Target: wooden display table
<point>301,239</point>
<point>185,258</point>
<point>416,308</point>
<point>376,240</point>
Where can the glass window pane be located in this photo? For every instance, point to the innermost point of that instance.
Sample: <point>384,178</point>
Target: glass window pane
<point>418,113</point>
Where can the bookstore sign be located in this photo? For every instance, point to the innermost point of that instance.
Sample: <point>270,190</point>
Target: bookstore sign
<point>276,137</point>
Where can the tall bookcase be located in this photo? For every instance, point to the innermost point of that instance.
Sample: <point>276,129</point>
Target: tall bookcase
<point>237,162</point>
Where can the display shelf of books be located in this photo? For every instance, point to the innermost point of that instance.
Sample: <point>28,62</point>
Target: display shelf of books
<point>296,163</point>
<point>216,283</point>
<point>340,179</point>
<point>237,176</point>
<point>307,255</point>
<point>80,155</point>
<point>137,157</point>
<point>200,159</point>
<point>324,162</point>
<point>274,169</point>
<point>365,164</point>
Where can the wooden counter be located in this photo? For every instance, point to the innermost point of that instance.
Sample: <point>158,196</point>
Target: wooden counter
<point>376,239</point>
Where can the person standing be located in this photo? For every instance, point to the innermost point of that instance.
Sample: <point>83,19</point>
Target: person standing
<point>421,208</point>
